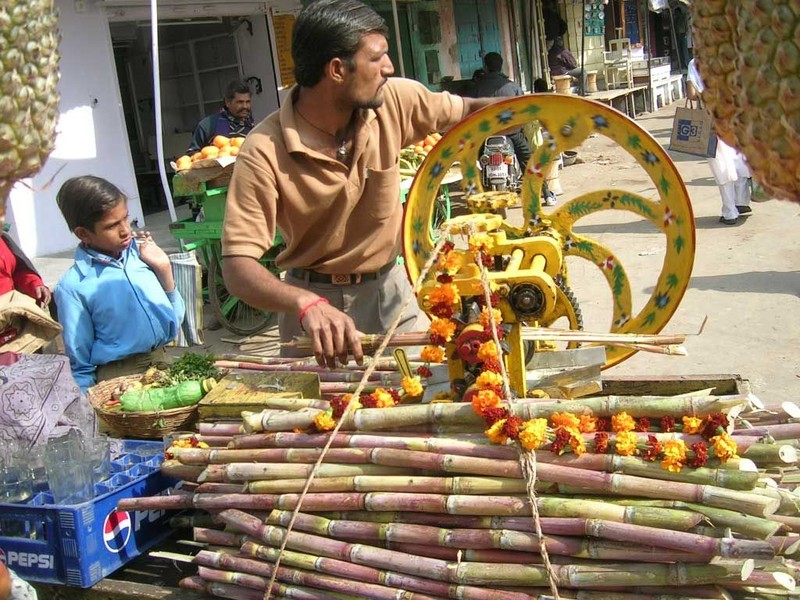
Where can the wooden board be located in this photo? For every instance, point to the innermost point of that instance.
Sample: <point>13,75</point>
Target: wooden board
<point>110,589</point>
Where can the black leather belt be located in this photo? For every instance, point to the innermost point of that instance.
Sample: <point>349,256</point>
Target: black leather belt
<point>345,279</point>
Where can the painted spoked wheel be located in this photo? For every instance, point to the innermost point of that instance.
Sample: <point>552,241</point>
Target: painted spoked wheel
<point>234,314</point>
<point>568,121</point>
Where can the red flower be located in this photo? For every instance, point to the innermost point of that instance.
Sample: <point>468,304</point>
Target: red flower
<point>443,311</point>
<point>448,246</point>
<point>369,401</point>
<point>700,455</point>
<point>715,424</point>
<point>494,414</point>
<point>511,427</point>
<point>667,424</point>
<point>487,260</point>
<point>561,442</point>
<point>424,371</point>
<point>601,441</point>
<point>395,394</point>
<point>642,424</point>
<point>444,278</point>
<point>603,424</point>
<point>437,339</point>
<point>492,365</point>
<point>654,449</point>
<point>339,404</point>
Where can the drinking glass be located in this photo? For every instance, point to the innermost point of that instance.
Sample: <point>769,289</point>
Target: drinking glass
<point>98,451</point>
<point>15,483</point>
<point>71,482</point>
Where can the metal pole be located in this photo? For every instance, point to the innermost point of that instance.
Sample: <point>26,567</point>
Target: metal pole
<point>399,41</point>
<point>649,49</point>
<point>162,170</point>
<point>674,38</point>
<point>583,48</point>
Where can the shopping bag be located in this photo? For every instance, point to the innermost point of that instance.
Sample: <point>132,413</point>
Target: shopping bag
<point>188,276</point>
<point>693,131</point>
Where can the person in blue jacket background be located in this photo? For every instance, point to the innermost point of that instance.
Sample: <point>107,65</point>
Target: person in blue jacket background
<point>117,303</point>
<point>232,120</point>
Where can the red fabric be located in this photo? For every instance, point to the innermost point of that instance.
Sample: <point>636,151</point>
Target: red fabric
<point>14,275</point>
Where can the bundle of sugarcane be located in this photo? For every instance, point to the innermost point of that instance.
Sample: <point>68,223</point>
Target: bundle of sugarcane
<point>395,512</point>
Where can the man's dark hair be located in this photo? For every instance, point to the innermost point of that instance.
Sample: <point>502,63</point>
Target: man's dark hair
<point>328,29</point>
<point>236,87</point>
<point>85,200</point>
<point>540,85</point>
<point>493,62</point>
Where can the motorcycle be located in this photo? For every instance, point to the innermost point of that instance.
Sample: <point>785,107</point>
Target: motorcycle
<point>500,168</point>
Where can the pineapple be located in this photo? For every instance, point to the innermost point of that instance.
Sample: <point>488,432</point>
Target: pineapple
<point>749,57</point>
<point>28,89</point>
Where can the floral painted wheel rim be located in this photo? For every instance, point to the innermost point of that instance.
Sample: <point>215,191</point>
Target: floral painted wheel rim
<point>569,121</point>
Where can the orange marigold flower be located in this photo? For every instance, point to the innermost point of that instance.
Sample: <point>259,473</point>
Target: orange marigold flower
<point>495,433</point>
<point>489,379</point>
<point>480,241</point>
<point>324,422</point>
<point>622,422</point>
<point>485,321</point>
<point>588,424</point>
<point>625,443</point>
<point>576,442</point>
<point>412,386</point>
<point>484,399</point>
<point>383,398</point>
<point>433,354</point>
<point>565,419</point>
<point>444,294</point>
<point>488,351</point>
<point>443,328</point>
<point>724,447</point>
<point>533,434</point>
<point>674,455</point>
<point>451,263</point>
<point>692,424</point>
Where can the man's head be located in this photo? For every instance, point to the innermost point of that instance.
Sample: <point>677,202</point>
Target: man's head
<point>493,62</point>
<point>237,99</point>
<point>540,86</point>
<point>346,41</point>
<point>96,211</point>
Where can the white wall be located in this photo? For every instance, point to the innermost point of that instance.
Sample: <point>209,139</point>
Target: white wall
<point>92,139</point>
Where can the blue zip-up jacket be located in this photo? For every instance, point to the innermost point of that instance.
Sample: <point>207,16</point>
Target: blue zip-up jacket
<point>112,308</point>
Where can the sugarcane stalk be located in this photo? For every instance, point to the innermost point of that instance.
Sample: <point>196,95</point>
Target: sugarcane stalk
<point>284,421</point>
<point>364,573</point>
<point>790,523</point>
<point>221,488</point>
<point>257,573</point>
<point>766,579</point>
<point>754,527</point>
<point>227,429</point>
<point>778,431</point>
<point>177,470</point>
<point>400,483</point>
<point>386,378</point>
<point>763,454</point>
<point>235,472</point>
<point>503,539</point>
<point>785,545</point>
<point>217,537</point>
<point>789,501</point>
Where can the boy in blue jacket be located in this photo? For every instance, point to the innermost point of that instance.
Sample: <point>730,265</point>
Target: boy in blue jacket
<point>117,304</point>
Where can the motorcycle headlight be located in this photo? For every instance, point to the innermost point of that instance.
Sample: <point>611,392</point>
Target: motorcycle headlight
<point>484,159</point>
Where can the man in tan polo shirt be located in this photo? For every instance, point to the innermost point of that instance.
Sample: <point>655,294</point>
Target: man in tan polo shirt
<point>324,170</point>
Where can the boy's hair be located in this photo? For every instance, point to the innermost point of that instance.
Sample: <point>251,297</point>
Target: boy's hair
<point>84,200</point>
<point>540,85</point>
<point>328,29</point>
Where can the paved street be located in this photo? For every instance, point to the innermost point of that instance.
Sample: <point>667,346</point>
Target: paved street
<point>746,277</point>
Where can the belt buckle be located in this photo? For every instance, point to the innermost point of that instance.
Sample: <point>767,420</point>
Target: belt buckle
<point>345,279</point>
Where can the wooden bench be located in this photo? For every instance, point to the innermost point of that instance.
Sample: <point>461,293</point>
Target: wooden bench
<point>628,94</point>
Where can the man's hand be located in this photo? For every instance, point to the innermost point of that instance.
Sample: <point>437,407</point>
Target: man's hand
<point>155,258</point>
<point>42,295</point>
<point>332,333</point>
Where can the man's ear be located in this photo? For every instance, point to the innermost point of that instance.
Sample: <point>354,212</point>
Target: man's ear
<point>337,70</point>
<point>82,233</point>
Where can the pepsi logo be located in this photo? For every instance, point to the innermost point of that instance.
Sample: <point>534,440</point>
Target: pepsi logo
<point>117,530</point>
<point>2,557</point>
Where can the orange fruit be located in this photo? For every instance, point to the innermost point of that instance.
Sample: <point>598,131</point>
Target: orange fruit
<point>183,163</point>
<point>224,151</point>
<point>427,148</point>
<point>234,150</point>
<point>197,156</point>
<point>237,142</point>
<point>419,149</point>
<point>210,152</point>
<point>221,141</point>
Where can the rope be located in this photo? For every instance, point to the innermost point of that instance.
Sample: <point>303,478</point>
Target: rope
<point>527,458</point>
<point>349,408</point>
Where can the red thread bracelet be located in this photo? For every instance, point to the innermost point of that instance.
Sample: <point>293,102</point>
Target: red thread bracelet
<point>309,306</point>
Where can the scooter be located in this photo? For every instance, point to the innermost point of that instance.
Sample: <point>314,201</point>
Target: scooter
<point>501,170</point>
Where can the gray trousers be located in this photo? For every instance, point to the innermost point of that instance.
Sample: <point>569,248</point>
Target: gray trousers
<point>373,305</point>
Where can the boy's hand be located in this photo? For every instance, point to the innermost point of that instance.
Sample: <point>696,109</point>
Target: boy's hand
<point>155,258</point>
<point>42,295</point>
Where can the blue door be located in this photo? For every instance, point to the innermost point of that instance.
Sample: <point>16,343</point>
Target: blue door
<point>478,32</point>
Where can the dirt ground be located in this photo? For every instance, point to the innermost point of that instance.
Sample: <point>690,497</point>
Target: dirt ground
<point>746,278</point>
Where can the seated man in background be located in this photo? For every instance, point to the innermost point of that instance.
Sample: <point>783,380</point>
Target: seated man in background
<point>560,60</point>
<point>232,120</point>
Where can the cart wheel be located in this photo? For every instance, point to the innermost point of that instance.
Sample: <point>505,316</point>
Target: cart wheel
<point>235,315</point>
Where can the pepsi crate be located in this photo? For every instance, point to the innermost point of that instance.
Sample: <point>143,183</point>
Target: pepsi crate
<point>80,544</point>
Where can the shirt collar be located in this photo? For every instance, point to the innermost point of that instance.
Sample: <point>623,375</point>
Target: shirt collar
<point>85,257</point>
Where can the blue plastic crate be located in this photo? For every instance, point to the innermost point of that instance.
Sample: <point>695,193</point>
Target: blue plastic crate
<point>80,544</point>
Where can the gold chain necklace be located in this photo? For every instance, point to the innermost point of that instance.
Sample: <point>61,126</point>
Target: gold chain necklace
<point>342,151</point>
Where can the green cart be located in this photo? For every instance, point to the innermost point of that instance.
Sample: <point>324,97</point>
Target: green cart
<point>203,232</point>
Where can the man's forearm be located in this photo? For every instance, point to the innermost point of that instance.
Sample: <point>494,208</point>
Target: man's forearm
<point>250,281</point>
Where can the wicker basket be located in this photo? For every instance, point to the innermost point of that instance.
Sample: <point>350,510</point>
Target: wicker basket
<point>152,424</point>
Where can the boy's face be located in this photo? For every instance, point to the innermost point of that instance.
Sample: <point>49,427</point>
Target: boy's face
<point>111,234</point>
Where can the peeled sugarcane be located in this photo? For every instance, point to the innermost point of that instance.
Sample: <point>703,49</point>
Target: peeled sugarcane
<point>507,539</point>
<point>577,576</point>
<point>226,429</point>
<point>779,431</point>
